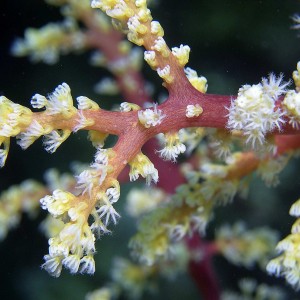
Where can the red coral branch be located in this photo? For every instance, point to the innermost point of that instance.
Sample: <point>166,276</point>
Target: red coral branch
<point>200,267</point>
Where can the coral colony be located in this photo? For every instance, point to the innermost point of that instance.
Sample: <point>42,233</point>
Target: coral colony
<point>255,131</point>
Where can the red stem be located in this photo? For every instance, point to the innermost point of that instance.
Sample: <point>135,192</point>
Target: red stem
<point>201,268</point>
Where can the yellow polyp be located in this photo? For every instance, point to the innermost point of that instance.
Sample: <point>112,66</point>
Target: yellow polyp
<point>97,138</point>
<point>183,60</point>
<point>199,84</point>
<point>149,57</point>
<point>100,195</point>
<point>142,29</point>
<point>69,113</point>
<point>290,103</point>
<point>296,76</point>
<point>111,153</point>
<point>128,13</point>
<point>126,107</point>
<point>152,63</point>
<point>157,29</point>
<point>138,165</point>
<point>169,79</point>
<point>296,227</point>
<point>144,15</point>
<point>5,107</point>
<point>182,54</point>
<point>86,103</point>
<point>83,122</point>
<point>26,119</point>
<point>193,111</point>
<point>121,15</point>
<point>65,134</point>
<point>13,117</point>
<point>161,47</point>
<point>55,138</point>
<point>296,79</point>
<point>172,137</point>
<point>165,74</point>
<point>134,38</point>
<point>5,143</point>
<point>115,184</point>
<point>165,52</point>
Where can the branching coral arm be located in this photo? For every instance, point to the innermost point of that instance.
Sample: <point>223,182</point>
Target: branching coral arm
<point>254,114</point>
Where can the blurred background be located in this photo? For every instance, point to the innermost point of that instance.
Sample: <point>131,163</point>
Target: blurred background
<point>232,43</point>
